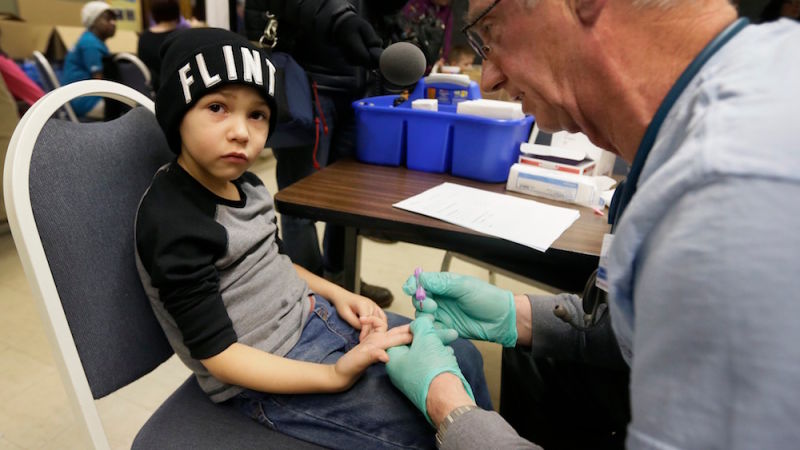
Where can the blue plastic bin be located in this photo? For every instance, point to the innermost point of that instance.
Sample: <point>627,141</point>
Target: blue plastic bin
<point>381,135</point>
<point>438,141</point>
<point>484,149</point>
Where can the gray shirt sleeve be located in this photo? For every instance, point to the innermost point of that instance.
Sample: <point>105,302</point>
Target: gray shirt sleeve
<point>476,428</point>
<point>575,340</point>
<point>551,336</point>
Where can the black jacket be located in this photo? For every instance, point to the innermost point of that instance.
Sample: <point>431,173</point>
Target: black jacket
<point>306,31</point>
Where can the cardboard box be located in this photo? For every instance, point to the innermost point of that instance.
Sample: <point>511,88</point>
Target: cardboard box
<point>51,12</point>
<point>584,167</point>
<point>565,187</point>
<point>54,26</point>
<point>20,38</point>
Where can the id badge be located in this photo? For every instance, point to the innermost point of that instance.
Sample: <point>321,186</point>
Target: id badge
<point>601,281</point>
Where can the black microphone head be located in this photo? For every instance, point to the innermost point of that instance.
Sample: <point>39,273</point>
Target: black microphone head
<point>402,64</point>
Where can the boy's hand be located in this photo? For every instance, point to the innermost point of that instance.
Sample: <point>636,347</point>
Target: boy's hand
<point>371,350</point>
<point>361,313</point>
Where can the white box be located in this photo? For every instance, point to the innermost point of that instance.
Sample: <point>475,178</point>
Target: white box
<point>584,167</point>
<point>493,109</point>
<point>427,104</point>
<point>563,140</point>
<point>565,187</point>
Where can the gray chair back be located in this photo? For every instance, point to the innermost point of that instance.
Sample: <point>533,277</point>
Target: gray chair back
<point>85,184</point>
<point>73,190</point>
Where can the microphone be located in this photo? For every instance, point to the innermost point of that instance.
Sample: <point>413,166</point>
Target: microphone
<point>402,64</point>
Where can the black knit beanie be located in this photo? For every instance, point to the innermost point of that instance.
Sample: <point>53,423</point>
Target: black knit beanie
<point>197,61</point>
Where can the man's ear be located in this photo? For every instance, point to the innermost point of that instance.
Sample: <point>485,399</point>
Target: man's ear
<point>588,11</point>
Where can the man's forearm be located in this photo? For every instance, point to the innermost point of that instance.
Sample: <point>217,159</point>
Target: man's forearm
<point>475,429</point>
<point>522,306</point>
<point>445,394</point>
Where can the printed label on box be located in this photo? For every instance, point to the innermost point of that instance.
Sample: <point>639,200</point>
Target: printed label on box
<point>447,96</point>
<point>549,187</point>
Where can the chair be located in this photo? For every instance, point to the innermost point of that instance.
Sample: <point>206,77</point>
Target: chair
<point>50,81</point>
<point>134,72</point>
<point>127,69</point>
<point>125,58</point>
<point>72,190</point>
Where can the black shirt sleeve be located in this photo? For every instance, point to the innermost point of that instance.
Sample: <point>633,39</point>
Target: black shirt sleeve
<point>178,242</point>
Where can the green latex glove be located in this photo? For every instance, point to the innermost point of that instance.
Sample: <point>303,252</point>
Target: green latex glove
<point>412,368</point>
<point>474,308</point>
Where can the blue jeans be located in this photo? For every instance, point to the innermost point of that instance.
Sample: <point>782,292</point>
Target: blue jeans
<point>371,414</point>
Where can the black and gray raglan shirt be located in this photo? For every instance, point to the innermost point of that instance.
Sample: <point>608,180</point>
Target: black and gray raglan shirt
<point>214,273</point>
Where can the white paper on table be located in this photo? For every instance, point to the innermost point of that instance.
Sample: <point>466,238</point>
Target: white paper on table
<point>527,222</point>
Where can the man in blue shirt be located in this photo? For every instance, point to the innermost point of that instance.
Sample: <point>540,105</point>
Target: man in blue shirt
<point>702,267</point>
<point>85,60</point>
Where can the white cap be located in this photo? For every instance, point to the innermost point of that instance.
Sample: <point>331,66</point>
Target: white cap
<point>91,11</point>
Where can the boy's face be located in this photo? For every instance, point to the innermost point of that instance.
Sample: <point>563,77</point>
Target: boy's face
<point>222,134</point>
<point>465,61</point>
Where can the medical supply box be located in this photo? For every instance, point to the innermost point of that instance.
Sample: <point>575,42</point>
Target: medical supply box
<point>440,139</point>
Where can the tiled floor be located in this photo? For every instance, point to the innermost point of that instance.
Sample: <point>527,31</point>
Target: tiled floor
<point>34,409</point>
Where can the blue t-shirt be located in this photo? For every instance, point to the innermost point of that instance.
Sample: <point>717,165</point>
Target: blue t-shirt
<point>703,271</point>
<point>81,62</point>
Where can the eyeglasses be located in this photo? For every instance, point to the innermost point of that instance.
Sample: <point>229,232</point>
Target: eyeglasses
<point>473,37</point>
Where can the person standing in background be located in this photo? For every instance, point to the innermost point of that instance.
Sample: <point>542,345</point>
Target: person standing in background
<point>85,60</point>
<point>427,24</point>
<point>777,9</point>
<point>167,15</point>
<point>335,43</point>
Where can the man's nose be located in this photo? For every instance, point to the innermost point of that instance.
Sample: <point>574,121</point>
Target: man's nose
<point>492,79</point>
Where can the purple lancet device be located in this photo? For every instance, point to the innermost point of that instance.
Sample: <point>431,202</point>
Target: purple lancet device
<point>420,294</point>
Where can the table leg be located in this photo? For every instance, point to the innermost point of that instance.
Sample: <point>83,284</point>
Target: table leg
<point>352,260</point>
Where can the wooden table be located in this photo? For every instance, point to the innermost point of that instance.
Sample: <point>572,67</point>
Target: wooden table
<point>360,197</point>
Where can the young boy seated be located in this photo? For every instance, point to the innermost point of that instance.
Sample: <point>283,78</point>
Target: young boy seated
<point>255,329</point>
<point>459,60</point>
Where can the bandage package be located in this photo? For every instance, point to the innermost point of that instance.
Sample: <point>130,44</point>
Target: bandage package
<point>555,185</point>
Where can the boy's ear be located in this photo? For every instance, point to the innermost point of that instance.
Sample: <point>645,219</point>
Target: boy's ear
<point>588,11</point>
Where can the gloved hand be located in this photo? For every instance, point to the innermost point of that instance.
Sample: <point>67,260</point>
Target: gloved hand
<point>412,369</point>
<point>474,308</point>
<point>358,41</point>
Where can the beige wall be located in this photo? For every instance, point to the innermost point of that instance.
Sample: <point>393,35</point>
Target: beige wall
<point>8,121</point>
<point>51,12</point>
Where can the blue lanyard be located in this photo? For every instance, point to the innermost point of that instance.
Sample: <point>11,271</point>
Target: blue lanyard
<point>626,189</point>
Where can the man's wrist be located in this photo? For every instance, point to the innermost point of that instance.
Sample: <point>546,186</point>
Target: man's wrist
<point>522,305</point>
<point>445,394</point>
<point>441,430</point>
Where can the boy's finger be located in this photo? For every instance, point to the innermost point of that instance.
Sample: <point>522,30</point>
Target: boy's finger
<point>375,322</point>
<point>393,340</point>
<point>365,330</point>
<point>350,317</point>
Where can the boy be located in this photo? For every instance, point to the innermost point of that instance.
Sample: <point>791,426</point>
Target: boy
<point>252,327</point>
<point>459,60</point>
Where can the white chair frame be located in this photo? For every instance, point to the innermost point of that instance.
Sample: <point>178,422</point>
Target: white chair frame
<point>29,245</point>
<point>51,75</point>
